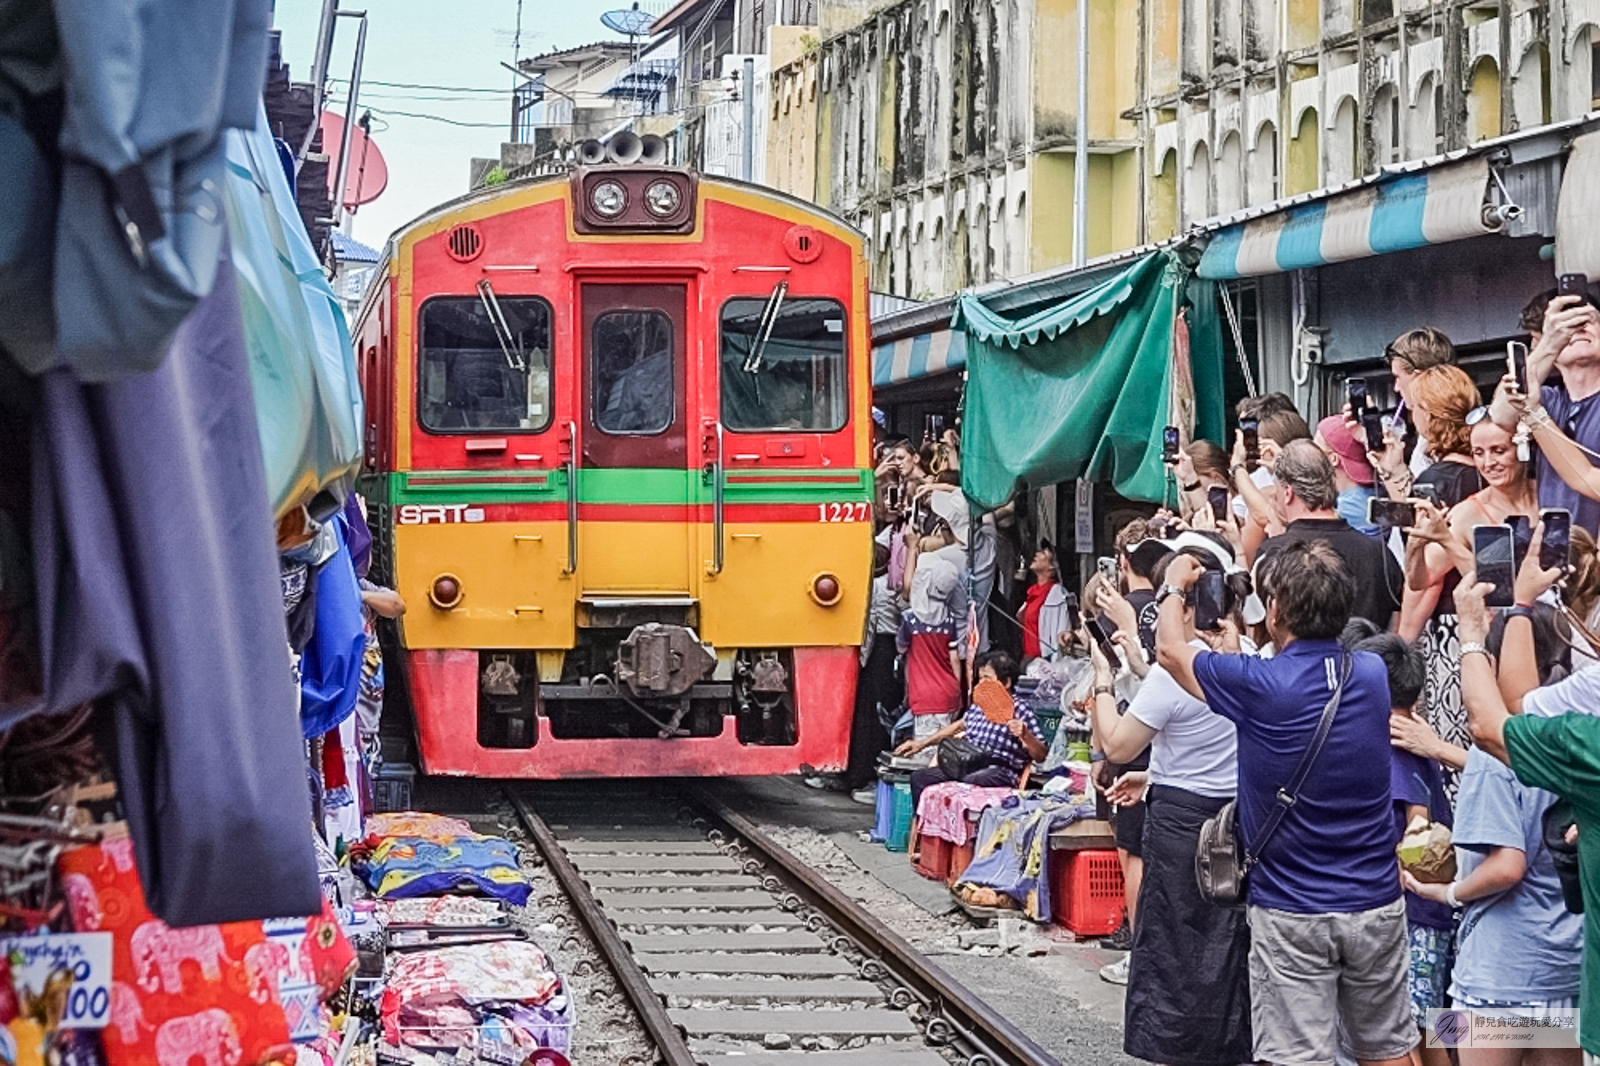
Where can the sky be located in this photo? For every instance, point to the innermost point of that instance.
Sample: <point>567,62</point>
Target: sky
<point>454,43</point>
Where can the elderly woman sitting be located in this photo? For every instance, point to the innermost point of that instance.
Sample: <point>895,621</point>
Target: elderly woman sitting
<point>1010,746</point>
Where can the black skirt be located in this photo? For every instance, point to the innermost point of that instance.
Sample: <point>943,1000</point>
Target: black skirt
<point>1188,1001</point>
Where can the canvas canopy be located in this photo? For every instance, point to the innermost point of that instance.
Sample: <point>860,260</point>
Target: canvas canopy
<point>1083,389</point>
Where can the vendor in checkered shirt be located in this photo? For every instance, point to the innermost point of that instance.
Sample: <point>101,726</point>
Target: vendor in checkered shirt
<point>1011,745</point>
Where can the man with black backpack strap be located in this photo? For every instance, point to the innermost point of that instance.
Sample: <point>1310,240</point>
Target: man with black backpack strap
<point>1328,952</point>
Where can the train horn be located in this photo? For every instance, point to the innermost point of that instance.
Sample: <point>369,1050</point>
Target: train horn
<point>652,150</point>
<point>624,148</point>
<point>591,153</point>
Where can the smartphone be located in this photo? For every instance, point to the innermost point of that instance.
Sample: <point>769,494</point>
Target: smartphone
<point>1169,444</point>
<point>1391,514</point>
<point>1097,633</point>
<point>1074,615</point>
<point>1372,423</point>
<point>1108,569</point>
<point>1573,285</point>
<point>1517,363</point>
<point>1557,538</point>
<point>1356,390</point>
<point>1492,555</point>
<point>1427,492</point>
<point>1521,537</point>
<point>1210,601</point>
<point>1252,440</point>
<point>1217,497</point>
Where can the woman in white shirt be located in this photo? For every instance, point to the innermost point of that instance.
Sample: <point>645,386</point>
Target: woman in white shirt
<point>1188,1001</point>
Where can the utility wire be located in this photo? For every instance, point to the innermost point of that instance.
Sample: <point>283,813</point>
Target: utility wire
<point>439,118</point>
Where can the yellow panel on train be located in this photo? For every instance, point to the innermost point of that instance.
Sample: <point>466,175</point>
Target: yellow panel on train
<point>513,591</point>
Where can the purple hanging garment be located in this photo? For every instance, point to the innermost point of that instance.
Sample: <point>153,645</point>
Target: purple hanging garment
<point>158,596</point>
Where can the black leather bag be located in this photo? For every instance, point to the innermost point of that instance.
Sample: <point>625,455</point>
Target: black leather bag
<point>1221,861</point>
<point>1558,818</point>
<point>960,757</point>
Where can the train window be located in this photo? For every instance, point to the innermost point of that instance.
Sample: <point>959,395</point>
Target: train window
<point>795,379</point>
<point>476,376</point>
<point>632,372</point>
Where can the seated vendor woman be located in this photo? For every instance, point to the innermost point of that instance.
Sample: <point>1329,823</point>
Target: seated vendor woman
<point>1008,747</point>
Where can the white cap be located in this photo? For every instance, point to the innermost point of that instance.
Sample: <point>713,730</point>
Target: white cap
<point>1252,610</point>
<point>952,507</point>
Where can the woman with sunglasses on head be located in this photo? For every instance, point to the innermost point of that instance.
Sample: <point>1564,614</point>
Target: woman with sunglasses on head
<point>1439,546</point>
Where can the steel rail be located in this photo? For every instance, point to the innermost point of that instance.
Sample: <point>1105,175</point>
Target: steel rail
<point>669,1040</point>
<point>976,1021</point>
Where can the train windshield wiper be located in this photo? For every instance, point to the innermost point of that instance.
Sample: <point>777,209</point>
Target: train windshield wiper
<point>769,319</point>
<point>502,331</point>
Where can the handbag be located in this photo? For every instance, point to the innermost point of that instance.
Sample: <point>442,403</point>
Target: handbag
<point>1557,819</point>
<point>960,757</point>
<point>1221,861</point>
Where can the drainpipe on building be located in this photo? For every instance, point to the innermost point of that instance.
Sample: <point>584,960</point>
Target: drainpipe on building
<point>339,216</point>
<point>749,104</point>
<point>319,74</point>
<point>1080,159</point>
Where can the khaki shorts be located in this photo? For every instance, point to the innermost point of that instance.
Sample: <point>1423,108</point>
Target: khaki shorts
<point>1310,971</point>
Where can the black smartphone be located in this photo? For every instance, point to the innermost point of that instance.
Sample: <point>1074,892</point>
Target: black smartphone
<point>1252,440</point>
<point>1210,601</point>
<point>1427,492</point>
<point>1097,633</point>
<point>1557,539</point>
<point>1356,390</point>
<point>1517,363</point>
<point>1074,616</point>
<point>1169,444</point>
<point>1217,497</point>
<point>1573,285</point>
<point>1372,424</point>
<point>1492,555</point>
<point>933,428</point>
<point>1521,537</point>
<point>1391,514</point>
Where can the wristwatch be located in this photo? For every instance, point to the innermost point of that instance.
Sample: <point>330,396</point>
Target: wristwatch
<point>1104,690</point>
<point>1192,487</point>
<point>1170,590</point>
<point>1473,647</point>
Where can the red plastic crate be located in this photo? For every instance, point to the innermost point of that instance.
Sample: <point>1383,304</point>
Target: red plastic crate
<point>960,859</point>
<point>1086,893</point>
<point>932,857</point>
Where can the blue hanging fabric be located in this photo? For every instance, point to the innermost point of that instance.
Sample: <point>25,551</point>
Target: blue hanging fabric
<point>330,670</point>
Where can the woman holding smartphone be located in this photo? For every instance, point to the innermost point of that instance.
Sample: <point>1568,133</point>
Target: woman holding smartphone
<point>1439,549</point>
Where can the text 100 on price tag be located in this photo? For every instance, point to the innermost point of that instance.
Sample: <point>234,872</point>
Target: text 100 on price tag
<point>74,965</point>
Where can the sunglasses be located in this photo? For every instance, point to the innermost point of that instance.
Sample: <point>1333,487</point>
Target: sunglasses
<point>1477,414</point>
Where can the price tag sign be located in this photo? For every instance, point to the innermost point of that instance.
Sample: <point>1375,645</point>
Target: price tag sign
<point>77,965</point>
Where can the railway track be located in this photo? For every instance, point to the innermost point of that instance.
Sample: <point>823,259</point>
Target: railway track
<point>735,953</point>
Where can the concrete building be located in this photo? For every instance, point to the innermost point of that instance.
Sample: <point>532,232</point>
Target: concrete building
<point>946,128</point>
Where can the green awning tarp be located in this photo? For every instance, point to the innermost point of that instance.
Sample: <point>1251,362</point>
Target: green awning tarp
<point>1081,390</point>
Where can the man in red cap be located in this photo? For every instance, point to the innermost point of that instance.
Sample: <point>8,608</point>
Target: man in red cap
<point>1352,472</point>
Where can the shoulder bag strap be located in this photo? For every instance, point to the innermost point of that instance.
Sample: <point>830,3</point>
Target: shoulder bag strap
<point>1289,793</point>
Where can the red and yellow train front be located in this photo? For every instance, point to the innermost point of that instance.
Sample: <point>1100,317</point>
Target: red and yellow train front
<point>620,444</point>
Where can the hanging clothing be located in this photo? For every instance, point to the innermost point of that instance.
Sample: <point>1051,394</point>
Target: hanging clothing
<point>330,681</point>
<point>159,598</point>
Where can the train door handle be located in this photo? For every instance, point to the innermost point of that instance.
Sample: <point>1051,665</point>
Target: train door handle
<point>572,499</point>
<point>718,481</point>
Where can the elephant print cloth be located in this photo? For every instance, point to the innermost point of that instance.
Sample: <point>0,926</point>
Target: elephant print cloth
<point>206,994</point>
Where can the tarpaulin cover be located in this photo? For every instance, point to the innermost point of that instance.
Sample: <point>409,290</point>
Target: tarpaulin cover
<point>308,397</point>
<point>330,669</point>
<point>159,599</point>
<point>1081,390</point>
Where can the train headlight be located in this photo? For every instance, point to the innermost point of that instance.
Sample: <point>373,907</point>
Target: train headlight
<point>445,593</point>
<point>826,590</point>
<point>608,199</point>
<point>662,198</point>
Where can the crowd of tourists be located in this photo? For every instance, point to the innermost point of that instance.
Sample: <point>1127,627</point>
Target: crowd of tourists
<point>1352,640</point>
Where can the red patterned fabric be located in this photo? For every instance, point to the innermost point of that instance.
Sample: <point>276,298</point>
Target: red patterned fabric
<point>178,995</point>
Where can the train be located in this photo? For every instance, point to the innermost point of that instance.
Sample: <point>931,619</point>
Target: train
<point>618,462</point>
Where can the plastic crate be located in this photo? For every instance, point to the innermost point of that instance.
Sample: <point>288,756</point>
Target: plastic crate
<point>1086,893</point>
<point>960,859</point>
<point>898,837</point>
<point>932,859</point>
<point>391,789</point>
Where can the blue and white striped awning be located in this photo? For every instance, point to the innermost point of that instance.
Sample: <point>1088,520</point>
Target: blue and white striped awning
<point>1391,214</point>
<point>910,358</point>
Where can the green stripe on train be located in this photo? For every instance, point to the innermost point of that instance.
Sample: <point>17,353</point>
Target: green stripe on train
<point>630,486</point>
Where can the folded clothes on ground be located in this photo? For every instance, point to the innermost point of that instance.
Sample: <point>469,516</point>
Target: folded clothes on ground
<point>459,997</point>
<point>401,867</point>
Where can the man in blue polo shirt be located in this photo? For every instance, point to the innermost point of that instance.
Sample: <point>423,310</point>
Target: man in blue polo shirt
<point>1328,946</point>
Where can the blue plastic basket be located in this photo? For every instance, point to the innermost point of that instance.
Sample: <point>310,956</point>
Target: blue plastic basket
<point>899,835</point>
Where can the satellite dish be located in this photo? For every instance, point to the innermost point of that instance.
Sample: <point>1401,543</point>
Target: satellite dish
<point>368,173</point>
<point>629,21</point>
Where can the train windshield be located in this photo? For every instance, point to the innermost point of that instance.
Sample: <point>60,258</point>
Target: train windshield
<point>485,364</point>
<point>632,353</point>
<point>783,364</point>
